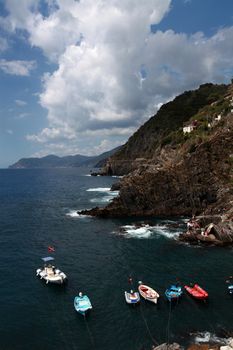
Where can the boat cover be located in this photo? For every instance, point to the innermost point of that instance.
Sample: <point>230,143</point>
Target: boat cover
<point>47,258</point>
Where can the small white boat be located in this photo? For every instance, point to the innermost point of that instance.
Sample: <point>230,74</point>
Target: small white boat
<point>50,273</point>
<point>148,293</point>
<point>82,304</point>
<point>132,297</point>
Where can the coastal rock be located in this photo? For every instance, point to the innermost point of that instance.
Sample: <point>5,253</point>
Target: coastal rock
<point>198,183</point>
<point>219,235</point>
<point>174,174</point>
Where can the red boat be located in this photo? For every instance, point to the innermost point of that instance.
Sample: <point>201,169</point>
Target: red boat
<point>197,292</point>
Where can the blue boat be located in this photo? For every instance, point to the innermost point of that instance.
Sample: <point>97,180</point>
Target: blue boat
<point>82,304</point>
<point>173,292</point>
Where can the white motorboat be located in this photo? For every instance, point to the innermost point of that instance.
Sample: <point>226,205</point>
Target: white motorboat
<point>50,273</point>
<point>132,297</point>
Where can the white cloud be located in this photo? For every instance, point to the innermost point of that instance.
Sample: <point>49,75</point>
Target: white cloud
<point>49,134</point>
<point>9,131</point>
<point>112,72</point>
<point>17,67</point>
<point>21,103</point>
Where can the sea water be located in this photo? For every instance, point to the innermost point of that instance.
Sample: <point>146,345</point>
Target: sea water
<point>38,208</point>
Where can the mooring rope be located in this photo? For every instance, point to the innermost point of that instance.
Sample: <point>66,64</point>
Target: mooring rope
<point>147,327</point>
<point>72,343</point>
<point>56,318</point>
<point>168,324</point>
<point>89,333</point>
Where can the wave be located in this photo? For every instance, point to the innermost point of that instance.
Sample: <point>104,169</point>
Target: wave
<point>109,195</point>
<point>105,199</point>
<point>166,232</point>
<point>99,189</point>
<point>75,214</point>
<point>147,231</point>
<point>207,337</point>
<point>131,231</point>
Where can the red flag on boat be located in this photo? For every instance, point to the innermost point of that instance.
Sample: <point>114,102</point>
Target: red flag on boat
<point>51,249</point>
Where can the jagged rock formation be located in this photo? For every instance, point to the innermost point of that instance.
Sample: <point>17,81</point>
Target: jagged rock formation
<point>219,234</point>
<point>183,184</point>
<point>190,174</point>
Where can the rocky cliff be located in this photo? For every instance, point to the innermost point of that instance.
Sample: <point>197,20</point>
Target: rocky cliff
<point>148,140</point>
<point>185,174</point>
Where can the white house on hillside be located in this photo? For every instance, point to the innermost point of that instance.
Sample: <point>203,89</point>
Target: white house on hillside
<point>190,127</point>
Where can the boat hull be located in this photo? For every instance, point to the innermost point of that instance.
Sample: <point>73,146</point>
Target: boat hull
<point>148,293</point>
<point>82,304</point>
<point>197,292</point>
<point>173,293</point>
<point>132,298</point>
<point>56,278</point>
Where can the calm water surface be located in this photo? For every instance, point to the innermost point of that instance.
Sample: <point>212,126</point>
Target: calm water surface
<point>38,209</point>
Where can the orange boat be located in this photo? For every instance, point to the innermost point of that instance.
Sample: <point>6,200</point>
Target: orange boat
<point>197,292</point>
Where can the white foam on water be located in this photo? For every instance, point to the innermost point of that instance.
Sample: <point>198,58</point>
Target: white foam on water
<point>75,214</point>
<point>99,189</point>
<point>109,195</point>
<point>147,231</point>
<point>105,199</point>
<point>131,231</point>
<point>203,337</point>
<point>164,231</point>
<point>207,337</point>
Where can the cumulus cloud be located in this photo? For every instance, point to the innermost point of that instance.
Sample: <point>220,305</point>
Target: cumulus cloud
<point>17,67</point>
<point>112,71</point>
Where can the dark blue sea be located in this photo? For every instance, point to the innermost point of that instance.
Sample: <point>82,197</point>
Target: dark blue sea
<point>38,209</point>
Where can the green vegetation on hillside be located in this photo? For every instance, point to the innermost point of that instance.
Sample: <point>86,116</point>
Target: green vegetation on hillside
<point>166,126</point>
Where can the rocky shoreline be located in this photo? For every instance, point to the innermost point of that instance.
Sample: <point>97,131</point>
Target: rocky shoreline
<point>181,175</point>
<point>202,341</point>
<point>209,230</point>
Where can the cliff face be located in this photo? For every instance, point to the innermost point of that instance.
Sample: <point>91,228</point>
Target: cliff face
<point>200,181</point>
<point>147,141</point>
<point>197,182</point>
<point>190,176</point>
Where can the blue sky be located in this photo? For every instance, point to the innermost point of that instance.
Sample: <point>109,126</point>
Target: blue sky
<point>82,76</point>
